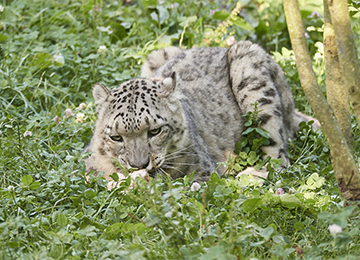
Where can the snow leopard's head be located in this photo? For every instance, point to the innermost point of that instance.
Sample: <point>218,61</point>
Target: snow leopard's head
<point>139,123</point>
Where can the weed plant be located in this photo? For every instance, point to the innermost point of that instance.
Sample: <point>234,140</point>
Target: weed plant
<point>51,55</point>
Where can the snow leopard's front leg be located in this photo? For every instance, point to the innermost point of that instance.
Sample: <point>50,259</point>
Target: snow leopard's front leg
<point>255,78</point>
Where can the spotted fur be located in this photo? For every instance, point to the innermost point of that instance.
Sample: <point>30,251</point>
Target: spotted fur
<point>184,113</point>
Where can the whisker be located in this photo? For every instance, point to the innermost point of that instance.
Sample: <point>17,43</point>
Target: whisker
<point>174,168</point>
<point>184,163</point>
<point>174,157</point>
<point>159,171</point>
<point>168,157</point>
<point>164,174</point>
<point>182,149</point>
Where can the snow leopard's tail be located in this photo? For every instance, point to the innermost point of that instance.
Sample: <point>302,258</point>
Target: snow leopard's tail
<point>158,58</point>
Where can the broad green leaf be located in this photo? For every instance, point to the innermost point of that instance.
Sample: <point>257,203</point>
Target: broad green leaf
<point>249,130</point>
<point>221,15</point>
<point>3,37</point>
<point>13,244</point>
<point>290,201</point>
<point>152,220</point>
<point>113,231</point>
<point>187,20</point>
<point>27,180</point>
<point>279,250</point>
<point>240,144</point>
<point>244,180</point>
<point>215,177</point>
<point>276,162</point>
<point>255,193</point>
<point>34,185</point>
<point>90,193</point>
<point>243,163</point>
<point>64,236</point>
<point>42,60</point>
<point>237,168</point>
<point>88,231</point>
<point>248,123</point>
<point>216,252</point>
<point>252,158</point>
<point>299,226</point>
<point>258,142</point>
<point>61,220</point>
<point>222,191</point>
<point>315,181</point>
<point>242,24</point>
<point>161,16</point>
<point>115,176</point>
<point>267,232</point>
<point>118,31</point>
<point>168,39</point>
<point>243,155</point>
<point>149,3</point>
<point>280,239</point>
<point>262,132</point>
<point>250,205</point>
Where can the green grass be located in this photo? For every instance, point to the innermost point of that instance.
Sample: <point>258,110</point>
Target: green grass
<point>50,58</point>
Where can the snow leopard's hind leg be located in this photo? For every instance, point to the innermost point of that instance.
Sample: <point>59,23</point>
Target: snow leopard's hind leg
<point>255,77</point>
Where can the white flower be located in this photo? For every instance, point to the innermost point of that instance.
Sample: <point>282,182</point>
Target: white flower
<point>68,112</point>
<point>317,55</point>
<point>11,188</point>
<point>315,14</point>
<point>102,49</point>
<point>231,40</point>
<point>80,117</point>
<point>335,229</point>
<point>56,120</point>
<point>59,59</point>
<point>280,191</point>
<point>139,173</point>
<point>27,133</point>
<point>104,29</point>
<point>307,36</point>
<point>1,9</point>
<point>195,186</point>
<point>82,106</point>
<point>175,5</point>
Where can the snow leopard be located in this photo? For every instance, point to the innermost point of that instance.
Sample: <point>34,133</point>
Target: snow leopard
<point>185,112</point>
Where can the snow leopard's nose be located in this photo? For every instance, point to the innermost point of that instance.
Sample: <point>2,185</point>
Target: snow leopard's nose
<point>140,164</point>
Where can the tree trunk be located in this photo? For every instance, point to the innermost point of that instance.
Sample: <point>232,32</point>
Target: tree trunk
<point>347,173</point>
<point>347,51</point>
<point>337,94</point>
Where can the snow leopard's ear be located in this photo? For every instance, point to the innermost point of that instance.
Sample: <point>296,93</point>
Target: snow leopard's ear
<point>168,85</point>
<point>100,93</point>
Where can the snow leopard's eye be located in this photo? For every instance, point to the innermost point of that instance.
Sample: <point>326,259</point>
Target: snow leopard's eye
<point>116,138</point>
<point>154,132</point>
